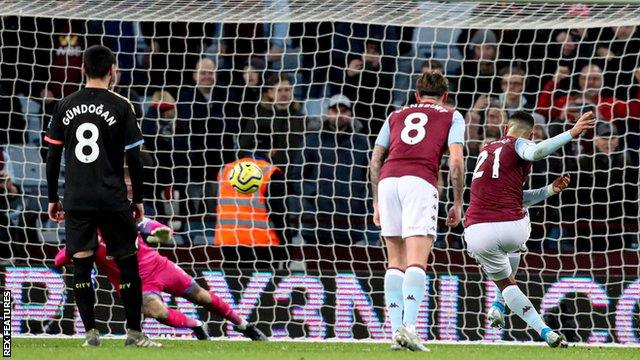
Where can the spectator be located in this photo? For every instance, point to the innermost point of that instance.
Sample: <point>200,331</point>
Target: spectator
<point>612,192</point>
<point>277,130</point>
<point>9,193</point>
<point>570,50</point>
<point>478,70</point>
<point>365,82</point>
<point>43,107</point>
<point>252,74</point>
<point>12,123</point>
<point>590,83</point>
<point>256,219</point>
<point>512,81</point>
<point>204,135</point>
<point>66,72</point>
<point>485,120</point>
<point>159,129</point>
<point>127,92</point>
<point>427,65</point>
<point>334,179</point>
<point>619,53</point>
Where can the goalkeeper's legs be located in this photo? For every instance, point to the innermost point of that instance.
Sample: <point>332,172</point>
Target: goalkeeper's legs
<point>154,307</point>
<point>215,305</point>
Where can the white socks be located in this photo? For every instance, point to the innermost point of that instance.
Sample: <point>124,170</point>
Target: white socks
<point>514,261</point>
<point>393,280</point>
<point>413,290</point>
<point>520,305</point>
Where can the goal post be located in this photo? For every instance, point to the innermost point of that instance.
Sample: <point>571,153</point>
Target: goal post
<point>213,81</point>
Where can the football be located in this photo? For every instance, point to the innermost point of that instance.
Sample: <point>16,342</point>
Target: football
<point>246,177</point>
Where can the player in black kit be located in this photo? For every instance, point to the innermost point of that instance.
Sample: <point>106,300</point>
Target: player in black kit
<point>98,129</point>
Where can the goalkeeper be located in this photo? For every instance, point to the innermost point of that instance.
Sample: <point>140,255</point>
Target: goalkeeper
<point>159,275</point>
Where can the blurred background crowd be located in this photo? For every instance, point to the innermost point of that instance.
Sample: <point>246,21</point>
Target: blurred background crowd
<point>310,98</point>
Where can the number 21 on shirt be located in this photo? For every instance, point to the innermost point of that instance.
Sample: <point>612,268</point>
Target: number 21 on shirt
<point>495,169</point>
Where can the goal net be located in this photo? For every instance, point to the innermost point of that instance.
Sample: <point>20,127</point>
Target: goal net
<point>305,86</point>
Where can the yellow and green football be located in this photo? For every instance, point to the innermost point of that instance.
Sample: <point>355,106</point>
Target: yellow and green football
<point>245,177</point>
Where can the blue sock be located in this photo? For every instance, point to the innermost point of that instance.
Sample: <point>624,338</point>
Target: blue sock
<point>413,289</point>
<point>393,280</point>
<point>498,304</point>
<point>544,332</point>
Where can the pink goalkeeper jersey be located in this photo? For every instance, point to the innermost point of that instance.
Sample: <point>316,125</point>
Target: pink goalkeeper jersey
<point>148,261</point>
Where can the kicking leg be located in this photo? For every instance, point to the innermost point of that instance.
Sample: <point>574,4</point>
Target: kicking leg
<point>496,312</point>
<point>520,304</point>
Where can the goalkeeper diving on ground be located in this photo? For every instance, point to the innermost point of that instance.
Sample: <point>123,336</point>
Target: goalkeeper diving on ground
<point>159,275</point>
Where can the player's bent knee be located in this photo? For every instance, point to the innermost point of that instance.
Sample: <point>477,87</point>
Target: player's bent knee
<point>198,295</point>
<point>153,307</point>
<point>503,283</point>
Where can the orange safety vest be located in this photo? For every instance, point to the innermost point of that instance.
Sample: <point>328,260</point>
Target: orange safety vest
<point>243,219</point>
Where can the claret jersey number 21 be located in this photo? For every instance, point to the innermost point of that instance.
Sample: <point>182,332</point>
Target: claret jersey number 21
<point>495,169</point>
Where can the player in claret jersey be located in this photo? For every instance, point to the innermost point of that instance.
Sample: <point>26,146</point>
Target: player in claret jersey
<point>496,224</point>
<point>404,175</point>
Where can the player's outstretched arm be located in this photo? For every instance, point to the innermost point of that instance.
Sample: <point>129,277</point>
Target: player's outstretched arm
<point>377,159</point>
<point>531,197</point>
<point>155,231</point>
<point>528,150</point>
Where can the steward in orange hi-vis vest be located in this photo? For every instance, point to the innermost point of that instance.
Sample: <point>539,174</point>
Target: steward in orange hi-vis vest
<point>243,219</point>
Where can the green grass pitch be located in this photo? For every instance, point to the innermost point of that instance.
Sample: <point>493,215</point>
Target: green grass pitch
<point>69,349</point>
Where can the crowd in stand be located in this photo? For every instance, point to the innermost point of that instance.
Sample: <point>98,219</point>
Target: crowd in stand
<point>310,99</point>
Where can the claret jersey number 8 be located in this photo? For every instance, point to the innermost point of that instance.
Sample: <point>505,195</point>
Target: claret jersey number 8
<point>91,142</point>
<point>414,132</point>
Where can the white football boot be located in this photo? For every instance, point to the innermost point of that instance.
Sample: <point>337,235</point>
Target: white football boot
<point>409,340</point>
<point>554,340</point>
<point>395,345</point>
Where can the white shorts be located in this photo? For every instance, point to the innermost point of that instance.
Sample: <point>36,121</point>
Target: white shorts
<point>408,206</point>
<point>490,244</point>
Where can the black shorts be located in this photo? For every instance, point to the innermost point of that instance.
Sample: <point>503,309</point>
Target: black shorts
<point>118,229</point>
